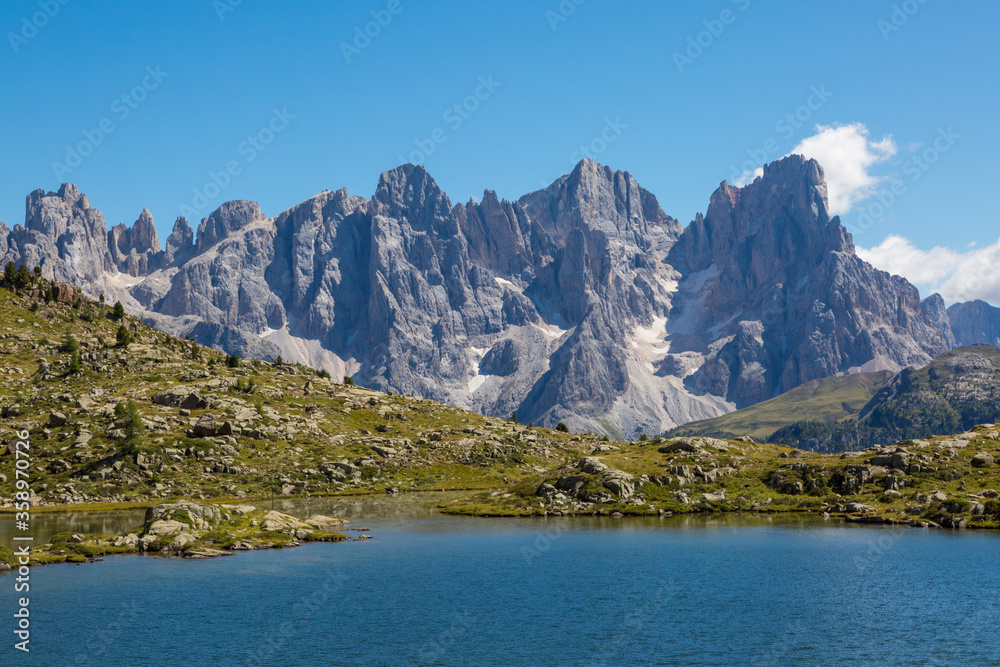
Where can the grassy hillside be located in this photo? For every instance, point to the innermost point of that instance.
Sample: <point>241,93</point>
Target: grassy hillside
<point>955,392</point>
<point>164,418</point>
<point>828,399</point>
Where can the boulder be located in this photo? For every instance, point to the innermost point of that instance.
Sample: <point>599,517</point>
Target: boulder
<point>181,541</point>
<point>859,508</point>
<point>193,402</point>
<point>279,522</point>
<point>681,445</point>
<point>982,460</point>
<point>205,426</point>
<point>165,527</point>
<point>201,515</point>
<point>619,483</point>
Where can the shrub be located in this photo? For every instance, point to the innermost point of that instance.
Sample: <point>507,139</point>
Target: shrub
<point>323,373</point>
<point>248,387</point>
<point>348,380</point>
<point>562,428</point>
<point>232,360</point>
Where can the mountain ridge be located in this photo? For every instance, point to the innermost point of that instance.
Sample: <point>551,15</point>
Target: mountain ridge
<point>583,302</point>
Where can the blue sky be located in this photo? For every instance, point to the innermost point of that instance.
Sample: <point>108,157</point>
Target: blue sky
<point>682,95</point>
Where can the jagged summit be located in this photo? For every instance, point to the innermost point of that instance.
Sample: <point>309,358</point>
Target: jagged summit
<point>582,302</point>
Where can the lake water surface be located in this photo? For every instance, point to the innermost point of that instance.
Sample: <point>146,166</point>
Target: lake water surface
<point>437,590</point>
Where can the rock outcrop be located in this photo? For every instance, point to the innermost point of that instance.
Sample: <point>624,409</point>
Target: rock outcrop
<point>136,250</point>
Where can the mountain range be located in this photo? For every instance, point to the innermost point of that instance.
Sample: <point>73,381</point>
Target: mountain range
<point>583,303</point>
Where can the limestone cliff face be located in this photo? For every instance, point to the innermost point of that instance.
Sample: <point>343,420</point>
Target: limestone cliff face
<point>583,302</point>
<point>785,296</point>
<point>136,250</point>
<point>975,322</point>
<point>63,234</point>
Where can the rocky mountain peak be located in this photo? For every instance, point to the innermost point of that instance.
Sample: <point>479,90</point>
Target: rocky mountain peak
<point>595,198</point>
<point>69,193</point>
<point>136,250</point>
<point>408,191</point>
<point>226,220</point>
<point>63,234</point>
<point>180,243</point>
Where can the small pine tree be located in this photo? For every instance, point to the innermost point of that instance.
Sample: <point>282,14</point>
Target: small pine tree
<point>74,362</point>
<point>348,380</point>
<point>232,360</point>
<point>118,311</point>
<point>69,343</point>
<point>10,273</point>
<point>279,360</point>
<point>23,278</point>
<point>49,296</point>
<point>130,418</point>
<point>643,437</point>
<point>562,428</point>
<point>513,418</point>
<point>123,337</point>
<point>102,298</point>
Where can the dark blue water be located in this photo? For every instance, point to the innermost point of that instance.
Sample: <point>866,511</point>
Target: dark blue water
<point>449,591</point>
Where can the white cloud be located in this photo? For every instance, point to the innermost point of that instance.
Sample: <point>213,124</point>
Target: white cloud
<point>748,176</point>
<point>846,154</point>
<point>957,276</point>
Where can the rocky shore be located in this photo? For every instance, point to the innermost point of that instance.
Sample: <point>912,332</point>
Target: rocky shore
<point>188,529</point>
